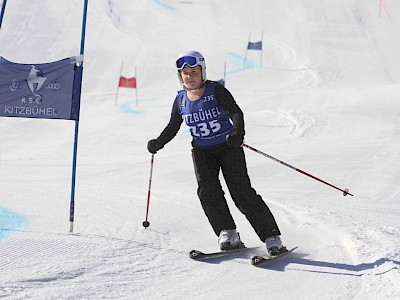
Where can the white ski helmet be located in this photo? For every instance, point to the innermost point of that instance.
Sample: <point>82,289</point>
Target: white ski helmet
<point>192,59</point>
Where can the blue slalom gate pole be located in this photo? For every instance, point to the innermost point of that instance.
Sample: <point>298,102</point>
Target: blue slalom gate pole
<point>72,204</point>
<point>3,8</point>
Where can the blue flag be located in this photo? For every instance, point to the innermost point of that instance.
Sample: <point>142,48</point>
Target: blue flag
<point>254,46</point>
<point>46,91</point>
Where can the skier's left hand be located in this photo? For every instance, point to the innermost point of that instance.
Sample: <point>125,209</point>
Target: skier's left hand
<point>235,139</point>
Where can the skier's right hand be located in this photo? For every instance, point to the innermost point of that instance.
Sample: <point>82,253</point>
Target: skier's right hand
<point>153,146</point>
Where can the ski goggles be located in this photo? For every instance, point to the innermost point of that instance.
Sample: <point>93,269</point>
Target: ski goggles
<point>191,61</point>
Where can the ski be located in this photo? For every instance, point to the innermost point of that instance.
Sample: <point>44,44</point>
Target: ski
<point>198,255</point>
<point>261,260</point>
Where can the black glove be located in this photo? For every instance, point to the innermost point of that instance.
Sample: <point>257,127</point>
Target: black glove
<point>235,139</point>
<point>153,146</point>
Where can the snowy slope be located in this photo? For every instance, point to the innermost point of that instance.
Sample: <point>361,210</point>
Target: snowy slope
<point>324,100</point>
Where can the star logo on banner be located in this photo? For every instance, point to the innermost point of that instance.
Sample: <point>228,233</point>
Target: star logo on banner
<point>34,80</point>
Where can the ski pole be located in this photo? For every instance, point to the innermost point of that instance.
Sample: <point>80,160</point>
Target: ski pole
<point>345,192</point>
<point>146,223</point>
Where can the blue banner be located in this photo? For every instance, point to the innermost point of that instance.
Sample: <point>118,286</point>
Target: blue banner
<point>46,91</point>
<point>254,46</point>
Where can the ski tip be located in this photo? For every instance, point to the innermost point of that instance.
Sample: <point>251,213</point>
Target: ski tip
<point>198,255</point>
<point>260,260</point>
<point>195,253</point>
<point>256,260</point>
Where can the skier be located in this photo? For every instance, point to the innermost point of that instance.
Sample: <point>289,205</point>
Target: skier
<point>217,127</point>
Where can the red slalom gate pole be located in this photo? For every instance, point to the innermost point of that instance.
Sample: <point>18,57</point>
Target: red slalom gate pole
<point>146,223</point>
<point>345,192</point>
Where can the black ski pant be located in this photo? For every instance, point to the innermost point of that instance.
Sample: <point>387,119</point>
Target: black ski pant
<point>208,161</point>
